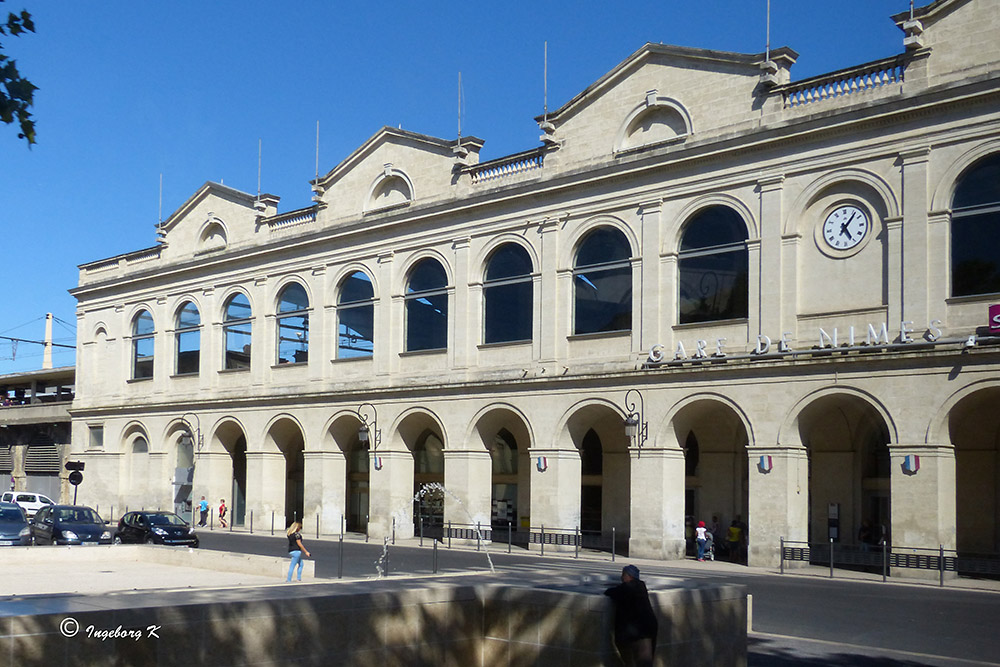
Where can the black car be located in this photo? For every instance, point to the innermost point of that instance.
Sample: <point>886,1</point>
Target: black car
<point>155,528</point>
<point>69,524</point>
<point>14,529</point>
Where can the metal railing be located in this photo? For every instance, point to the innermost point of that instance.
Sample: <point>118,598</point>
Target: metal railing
<point>883,558</point>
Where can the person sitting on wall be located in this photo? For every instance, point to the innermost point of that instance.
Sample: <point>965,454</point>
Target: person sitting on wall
<point>635,621</point>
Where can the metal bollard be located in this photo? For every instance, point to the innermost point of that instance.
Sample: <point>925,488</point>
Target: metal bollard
<point>781,555</point>
<point>317,525</point>
<point>478,535</point>
<point>941,564</point>
<point>367,535</point>
<point>543,539</point>
<point>387,560</point>
<point>614,544</point>
<point>831,558</point>
<point>420,519</point>
<point>272,522</point>
<point>449,534</point>
<point>393,533</point>
<point>211,519</point>
<point>435,559</point>
<point>340,561</point>
<point>885,560</point>
<point>576,543</point>
<point>508,537</point>
<point>251,522</point>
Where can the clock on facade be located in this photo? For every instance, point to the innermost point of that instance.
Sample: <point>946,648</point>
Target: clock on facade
<point>845,227</point>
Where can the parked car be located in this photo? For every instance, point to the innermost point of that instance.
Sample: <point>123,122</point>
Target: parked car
<point>69,524</point>
<point>14,529</point>
<point>30,502</point>
<point>155,528</point>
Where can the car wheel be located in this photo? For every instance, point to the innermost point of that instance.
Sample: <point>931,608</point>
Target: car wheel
<point>117,540</point>
<point>150,540</point>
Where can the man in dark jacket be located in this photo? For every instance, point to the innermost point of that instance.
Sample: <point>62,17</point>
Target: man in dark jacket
<point>635,622</point>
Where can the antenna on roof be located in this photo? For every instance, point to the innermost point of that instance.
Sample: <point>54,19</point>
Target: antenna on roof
<point>161,234</point>
<point>316,189</point>
<point>911,10</point>
<point>767,46</point>
<point>317,150</point>
<point>459,107</point>
<point>545,85</point>
<point>258,205</point>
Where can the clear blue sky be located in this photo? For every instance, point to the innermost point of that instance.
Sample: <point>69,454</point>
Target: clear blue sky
<point>132,90</point>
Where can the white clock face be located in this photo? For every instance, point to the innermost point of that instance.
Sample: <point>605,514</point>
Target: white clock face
<point>845,227</point>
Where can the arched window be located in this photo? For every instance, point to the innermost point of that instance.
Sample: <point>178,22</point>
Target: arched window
<point>712,265</point>
<point>236,332</point>
<point>602,283</point>
<point>140,446</point>
<point>142,346</point>
<point>293,325</point>
<point>355,317</point>
<point>427,307</point>
<point>975,230</point>
<point>507,295</point>
<point>187,333</point>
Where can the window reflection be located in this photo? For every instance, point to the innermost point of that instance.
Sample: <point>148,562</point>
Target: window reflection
<point>602,283</point>
<point>713,267</point>
<point>427,307</point>
<point>293,325</point>
<point>237,332</point>
<point>507,295</point>
<point>142,346</point>
<point>355,317</point>
<point>975,230</point>
<point>188,339</point>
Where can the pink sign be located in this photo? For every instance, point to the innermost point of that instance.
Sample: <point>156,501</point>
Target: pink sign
<point>995,317</point>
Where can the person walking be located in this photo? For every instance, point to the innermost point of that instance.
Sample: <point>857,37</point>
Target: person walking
<point>203,508</point>
<point>222,512</point>
<point>296,549</point>
<point>635,622</point>
<point>701,536</point>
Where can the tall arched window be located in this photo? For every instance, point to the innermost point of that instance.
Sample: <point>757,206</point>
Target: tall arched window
<point>236,332</point>
<point>142,346</point>
<point>507,295</point>
<point>355,317</point>
<point>293,325</point>
<point>975,230</point>
<point>712,265</point>
<point>187,333</point>
<point>602,283</point>
<point>427,307</point>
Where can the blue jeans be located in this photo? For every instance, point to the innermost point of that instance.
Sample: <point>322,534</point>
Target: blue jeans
<point>701,549</point>
<point>296,559</point>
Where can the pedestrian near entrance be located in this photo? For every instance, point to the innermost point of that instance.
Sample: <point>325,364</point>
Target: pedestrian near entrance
<point>635,622</point>
<point>701,536</point>
<point>203,508</point>
<point>296,549</point>
<point>222,512</point>
<point>734,537</point>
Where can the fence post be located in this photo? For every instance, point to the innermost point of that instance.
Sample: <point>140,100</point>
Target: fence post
<point>478,536</point>
<point>781,555</point>
<point>576,543</point>
<point>434,561</point>
<point>449,534</point>
<point>393,536</point>
<point>543,539</point>
<point>831,558</point>
<point>340,561</point>
<point>614,543</point>
<point>885,560</point>
<point>420,519</point>
<point>113,514</point>
<point>251,522</point>
<point>272,522</point>
<point>941,564</point>
<point>317,525</point>
<point>367,535</point>
<point>508,537</point>
<point>387,560</point>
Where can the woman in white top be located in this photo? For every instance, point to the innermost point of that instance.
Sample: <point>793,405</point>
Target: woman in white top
<point>700,536</point>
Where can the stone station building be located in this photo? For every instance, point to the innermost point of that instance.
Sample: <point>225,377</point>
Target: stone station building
<point>797,278</point>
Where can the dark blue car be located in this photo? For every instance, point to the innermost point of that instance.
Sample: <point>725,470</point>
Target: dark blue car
<point>69,524</point>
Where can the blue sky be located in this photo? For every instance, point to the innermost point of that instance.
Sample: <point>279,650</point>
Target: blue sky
<point>132,90</point>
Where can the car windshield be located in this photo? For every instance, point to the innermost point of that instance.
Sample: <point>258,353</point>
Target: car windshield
<point>11,515</point>
<point>165,520</point>
<point>77,515</point>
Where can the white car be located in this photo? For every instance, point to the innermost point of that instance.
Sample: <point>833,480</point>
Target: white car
<point>30,502</point>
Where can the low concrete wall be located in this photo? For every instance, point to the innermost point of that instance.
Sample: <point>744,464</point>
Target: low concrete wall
<point>222,561</point>
<point>384,623</point>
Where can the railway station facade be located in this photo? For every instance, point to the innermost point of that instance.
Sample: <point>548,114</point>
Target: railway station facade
<point>786,288</point>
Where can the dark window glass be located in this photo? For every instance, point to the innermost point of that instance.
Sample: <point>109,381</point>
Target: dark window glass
<point>427,307</point>
<point>237,332</point>
<point>142,346</point>
<point>602,283</point>
<point>713,267</point>
<point>591,454</point>
<point>188,339</point>
<point>975,230</point>
<point>507,295</point>
<point>355,317</point>
<point>293,325</point>
<point>692,454</point>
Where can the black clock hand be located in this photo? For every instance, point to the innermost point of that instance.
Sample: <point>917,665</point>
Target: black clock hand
<point>843,228</point>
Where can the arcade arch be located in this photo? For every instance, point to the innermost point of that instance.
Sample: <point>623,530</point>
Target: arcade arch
<point>286,435</point>
<point>974,428</point>
<point>597,431</point>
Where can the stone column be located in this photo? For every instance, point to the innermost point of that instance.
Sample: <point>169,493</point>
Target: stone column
<point>468,475</point>
<point>387,320</point>
<point>213,478</point>
<point>657,520</point>
<point>459,321</point>
<point>391,493</point>
<point>325,491</point>
<point>646,330</point>
<point>555,488</point>
<point>923,500</point>
<point>548,331</point>
<point>266,488</point>
<point>915,235</point>
<point>779,501</point>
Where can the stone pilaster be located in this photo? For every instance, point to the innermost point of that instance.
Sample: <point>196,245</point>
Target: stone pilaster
<point>657,520</point>
<point>555,488</point>
<point>265,488</point>
<point>325,490</point>
<point>779,501</point>
<point>923,500</point>
<point>468,475</point>
<point>391,488</point>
